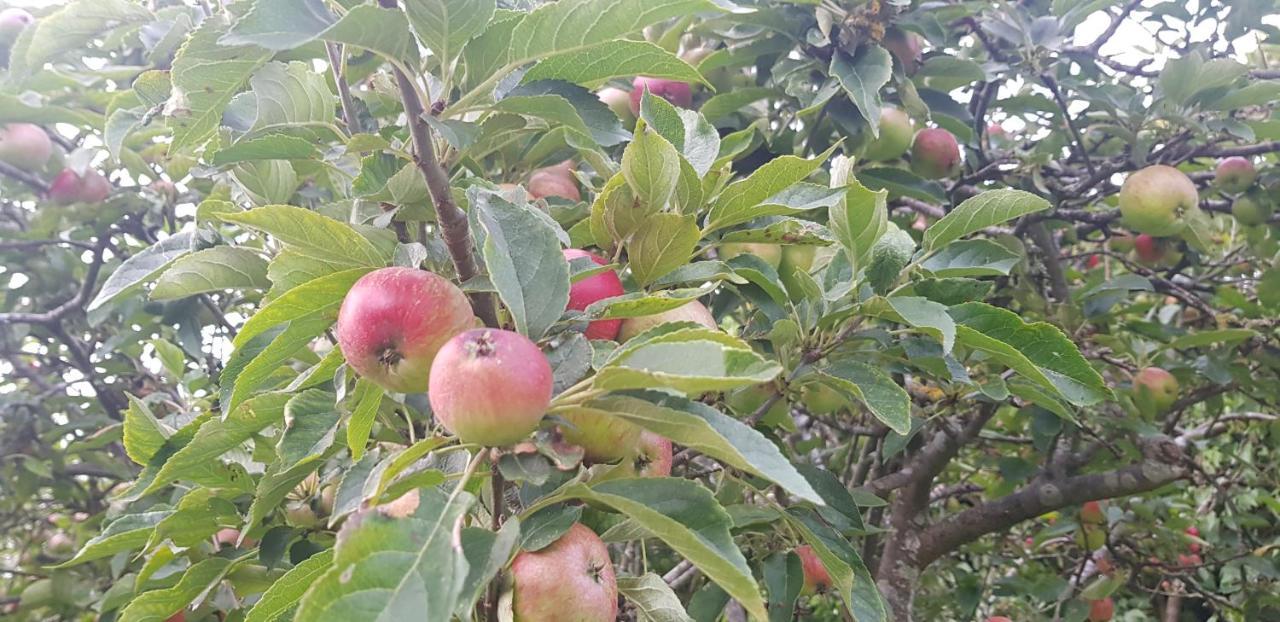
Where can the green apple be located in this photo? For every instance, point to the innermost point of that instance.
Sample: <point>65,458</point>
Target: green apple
<point>1155,200</point>
<point>770,253</point>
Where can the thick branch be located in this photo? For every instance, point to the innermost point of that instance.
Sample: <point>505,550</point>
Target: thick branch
<point>33,182</point>
<point>1047,496</point>
<point>74,304</point>
<point>452,220</point>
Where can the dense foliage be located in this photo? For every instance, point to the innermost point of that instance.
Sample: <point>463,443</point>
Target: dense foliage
<point>889,310</point>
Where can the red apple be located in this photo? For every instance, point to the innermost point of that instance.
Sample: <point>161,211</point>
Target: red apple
<point>1092,261</point>
<point>572,579</point>
<point>1235,174</point>
<point>595,287</point>
<point>394,320</point>
<point>693,311</point>
<point>619,101</point>
<point>60,543</point>
<point>554,181</point>
<point>228,537</point>
<point>998,619</point>
<point>906,46</point>
<point>1154,390</point>
<point>1101,610</point>
<point>1194,532</point>
<point>12,21</point>
<point>1091,513</point>
<point>1149,250</point>
<point>1154,200</point>
<point>816,577</point>
<point>678,93</point>
<point>165,189</point>
<point>935,154</point>
<point>25,146</point>
<point>652,456</point>
<point>181,616</point>
<point>490,386</point>
<point>71,187</point>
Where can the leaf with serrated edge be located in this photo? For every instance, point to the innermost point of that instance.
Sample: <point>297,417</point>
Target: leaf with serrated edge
<point>987,209</point>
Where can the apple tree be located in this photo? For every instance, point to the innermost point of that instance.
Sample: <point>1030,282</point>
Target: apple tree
<point>662,310</point>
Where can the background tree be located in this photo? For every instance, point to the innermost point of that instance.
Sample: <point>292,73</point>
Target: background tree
<point>639,309</point>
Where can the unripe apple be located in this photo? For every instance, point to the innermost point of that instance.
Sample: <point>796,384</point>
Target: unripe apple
<point>25,146</point>
<point>1091,513</point>
<point>603,438</point>
<point>70,187</point>
<point>1251,209</point>
<point>595,287</point>
<point>1101,610</point>
<point>60,543</point>
<point>821,399</point>
<point>394,320</point>
<point>1091,537</point>
<point>770,253</point>
<point>1155,199</point>
<point>678,93</point>
<point>1154,390</point>
<point>619,101</point>
<point>228,537</point>
<point>693,311</point>
<point>652,456</point>
<point>906,46</point>
<point>1120,242</point>
<point>896,130</point>
<point>816,577</point>
<point>572,579</point>
<point>1235,174</point>
<point>299,514</point>
<point>490,386</point>
<point>12,21</point>
<point>797,257</point>
<point>935,154</point>
<point>554,181</point>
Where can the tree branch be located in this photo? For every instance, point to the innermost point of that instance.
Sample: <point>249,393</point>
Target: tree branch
<point>35,183</point>
<point>54,315</point>
<point>454,227</point>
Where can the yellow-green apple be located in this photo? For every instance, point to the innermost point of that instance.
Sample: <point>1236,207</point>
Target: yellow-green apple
<point>71,187</point>
<point>935,154</point>
<point>1234,174</point>
<point>490,386</point>
<point>1154,200</point>
<point>678,93</point>
<point>770,253</point>
<point>619,101</point>
<point>602,437</point>
<point>693,311</point>
<point>571,580</point>
<point>821,399</point>
<point>896,130</point>
<point>394,320</point>
<point>1154,390</point>
<point>25,146</point>
<point>816,577</point>
<point>595,287</point>
<point>797,257</point>
<point>554,181</point>
<point>1251,209</point>
<point>1120,242</point>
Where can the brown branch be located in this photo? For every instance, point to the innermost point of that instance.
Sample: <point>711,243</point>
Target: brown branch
<point>1116,20</point>
<point>1078,142</point>
<point>56,314</point>
<point>1049,249</point>
<point>452,221</point>
<point>335,52</point>
<point>1161,468</point>
<point>33,182</point>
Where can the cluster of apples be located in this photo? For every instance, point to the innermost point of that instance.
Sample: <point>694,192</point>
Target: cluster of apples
<point>934,152</point>
<point>27,147</point>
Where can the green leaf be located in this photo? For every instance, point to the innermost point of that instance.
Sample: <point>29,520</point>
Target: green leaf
<point>267,147</point>
<point>783,580</point>
<point>444,26</point>
<point>851,579</point>
<point>384,31</point>
<point>286,591</point>
<point>686,358</point>
<point>287,24</point>
<point>158,605</point>
<point>141,267</point>
<point>545,526</point>
<point>573,25</point>
<point>524,261</point>
<point>408,568</point>
<point>200,460</point>
<point>119,126</point>
<point>487,553</point>
<point>859,222</point>
<point>729,102</point>
<point>640,304</point>
<point>972,258</point>
<point>862,77</point>
<point>664,242</point>
<point>1210,337</point>
<point>979,212</point>
<point>653,599</point>
<point>207,75</point>
<point>902,182</point>
<point>685,516</point>
<point>311,419</point>
<point>143,434</point>
<point>210,270</point>
<point>312,234</point>
<point>593,65</point>
<point>76,24</point>
<point>318,298</point>
<point>873,387</point>
<point>263,363</point>
<point>1038,351</point>
<point>687,130</point>
<point>891,253</point>
<point>126,533</point>
<point>791,231</point>
<point>738,202</point>
<point>290,94</point>
<point>651,167</point>
<point>947,73</point>
<point>929,315</point>
<point>1255,94</point>
<point>366,398</point>
<point>708,431</point>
